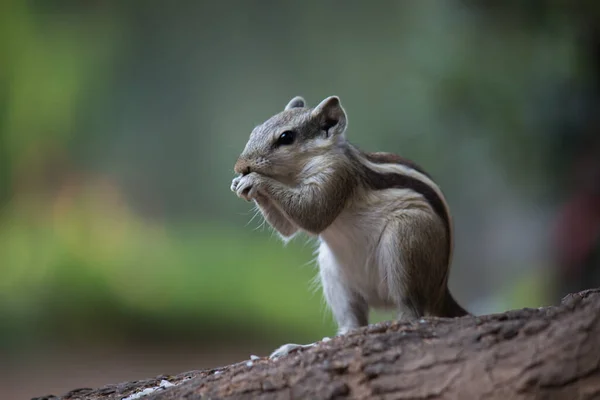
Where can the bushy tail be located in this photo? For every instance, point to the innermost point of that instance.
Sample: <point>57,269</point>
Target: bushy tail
<point>451,308</point>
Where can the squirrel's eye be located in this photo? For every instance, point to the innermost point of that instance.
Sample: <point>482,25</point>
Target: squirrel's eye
<point>286,138</point>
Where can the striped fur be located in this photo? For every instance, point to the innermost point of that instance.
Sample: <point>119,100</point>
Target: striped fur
<point>392,245</point>
<point>383,224</point>
<point>387,170</point>
<point>379,173</point>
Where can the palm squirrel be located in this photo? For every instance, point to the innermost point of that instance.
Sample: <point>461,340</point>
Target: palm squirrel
<point>383,225</point>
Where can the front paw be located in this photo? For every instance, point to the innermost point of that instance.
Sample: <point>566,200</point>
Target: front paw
<point>247,186</point>
<point>235,182</point>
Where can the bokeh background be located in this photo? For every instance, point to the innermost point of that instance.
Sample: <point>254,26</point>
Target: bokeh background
<point>124,255</point>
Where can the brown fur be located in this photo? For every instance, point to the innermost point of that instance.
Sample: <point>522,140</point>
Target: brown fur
<point>419,284</point>
<point>309,183</point>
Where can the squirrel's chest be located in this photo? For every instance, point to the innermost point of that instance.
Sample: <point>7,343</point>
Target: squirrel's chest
<point>351,244</point>
<point>354,235</point>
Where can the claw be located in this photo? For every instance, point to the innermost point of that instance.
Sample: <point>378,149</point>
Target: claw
<point>288,349</point>
<point>244,186</point>
<point>234,183</point>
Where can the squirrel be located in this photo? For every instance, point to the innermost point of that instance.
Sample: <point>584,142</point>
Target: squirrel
<point>383,225</point>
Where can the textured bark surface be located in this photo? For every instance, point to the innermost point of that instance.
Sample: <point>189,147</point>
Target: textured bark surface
<point>546,353</point>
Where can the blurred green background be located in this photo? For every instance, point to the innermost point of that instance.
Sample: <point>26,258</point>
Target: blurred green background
<point>124,255</point>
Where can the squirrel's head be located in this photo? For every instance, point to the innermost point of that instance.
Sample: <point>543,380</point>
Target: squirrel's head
<point>281,146</point>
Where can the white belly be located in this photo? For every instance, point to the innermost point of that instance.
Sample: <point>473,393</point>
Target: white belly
<point>352,241</point>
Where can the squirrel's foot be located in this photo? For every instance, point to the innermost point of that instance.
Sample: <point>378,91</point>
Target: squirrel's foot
<point>288,349</point>
<point>292,348</point>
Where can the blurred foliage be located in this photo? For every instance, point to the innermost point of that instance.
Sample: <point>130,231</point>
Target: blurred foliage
<point>120,123</point>
<point>98,270</point>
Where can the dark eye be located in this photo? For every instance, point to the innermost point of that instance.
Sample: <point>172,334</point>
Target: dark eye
<point>286,138</point>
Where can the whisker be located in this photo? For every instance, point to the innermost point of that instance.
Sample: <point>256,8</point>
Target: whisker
<point>253,217</point>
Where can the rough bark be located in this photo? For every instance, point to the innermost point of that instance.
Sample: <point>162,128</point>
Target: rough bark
<point>545,353</point>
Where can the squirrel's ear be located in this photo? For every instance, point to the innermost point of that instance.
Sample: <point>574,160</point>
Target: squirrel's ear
<point>296,102</point>
<point>331,116</point>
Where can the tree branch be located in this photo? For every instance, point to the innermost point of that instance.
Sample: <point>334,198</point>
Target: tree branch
<point>545,353</point>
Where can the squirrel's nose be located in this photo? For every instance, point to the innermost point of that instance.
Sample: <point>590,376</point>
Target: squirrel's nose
<point>242,167</point>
